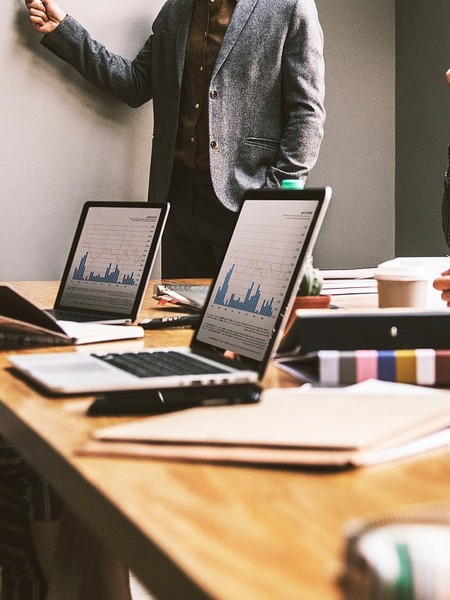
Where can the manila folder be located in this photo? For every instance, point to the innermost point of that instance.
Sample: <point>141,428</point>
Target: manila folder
<point>287,428</point>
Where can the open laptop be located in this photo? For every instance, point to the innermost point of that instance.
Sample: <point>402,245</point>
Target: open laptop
<point>242,320</point>
<point>110,261</point>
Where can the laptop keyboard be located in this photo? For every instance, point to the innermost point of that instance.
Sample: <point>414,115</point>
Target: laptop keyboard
<point>159,363</point>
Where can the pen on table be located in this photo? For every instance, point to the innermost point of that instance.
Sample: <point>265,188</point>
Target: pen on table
<point>166,322</point>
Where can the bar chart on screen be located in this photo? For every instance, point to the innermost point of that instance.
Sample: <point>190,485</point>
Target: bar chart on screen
<point>112,253</point>
<point>110,257</point>
<point>256,275</point>
<point>250,303</point>
<point>259,263</point>
<point>109,276</point>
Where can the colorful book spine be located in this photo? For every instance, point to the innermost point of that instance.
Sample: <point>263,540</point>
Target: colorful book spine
<point>422,366</point>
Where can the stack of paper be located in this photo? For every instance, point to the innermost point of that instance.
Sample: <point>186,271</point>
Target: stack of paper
<point>289,427</point>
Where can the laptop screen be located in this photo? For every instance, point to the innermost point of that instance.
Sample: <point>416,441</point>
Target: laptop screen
<point>111,257</point>
<point>261,269</point>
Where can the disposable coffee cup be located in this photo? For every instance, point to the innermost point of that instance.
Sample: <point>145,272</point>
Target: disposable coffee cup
<point>401,285</point>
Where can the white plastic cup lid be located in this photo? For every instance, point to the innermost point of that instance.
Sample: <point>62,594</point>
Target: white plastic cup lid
<point>400,272</point>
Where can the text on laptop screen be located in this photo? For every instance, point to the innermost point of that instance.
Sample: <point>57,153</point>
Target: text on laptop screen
<point>261,259</point>
<point>108,263</point>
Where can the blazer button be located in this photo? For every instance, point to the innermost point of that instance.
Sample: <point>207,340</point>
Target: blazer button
<point>213,95</point>
<point>214,145</point>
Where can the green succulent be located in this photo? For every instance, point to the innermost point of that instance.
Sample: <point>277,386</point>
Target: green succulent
<point>311,283</point>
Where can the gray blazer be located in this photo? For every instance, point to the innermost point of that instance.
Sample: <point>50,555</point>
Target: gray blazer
<point>266,96</point>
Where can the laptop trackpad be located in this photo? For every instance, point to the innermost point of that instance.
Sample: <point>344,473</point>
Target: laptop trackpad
<point>65,371</point>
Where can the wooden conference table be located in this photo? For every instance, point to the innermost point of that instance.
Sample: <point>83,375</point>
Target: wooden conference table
<point>194,531</point>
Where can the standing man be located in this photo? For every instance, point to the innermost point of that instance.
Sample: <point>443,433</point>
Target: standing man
<point>238,91</point>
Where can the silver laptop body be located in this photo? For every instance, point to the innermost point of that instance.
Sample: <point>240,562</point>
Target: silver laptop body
<point>243,317</point>
<point>110,261</point>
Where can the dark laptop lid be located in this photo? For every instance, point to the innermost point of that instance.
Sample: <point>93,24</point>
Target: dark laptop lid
<point>111,258</point>
<point>257,282</point>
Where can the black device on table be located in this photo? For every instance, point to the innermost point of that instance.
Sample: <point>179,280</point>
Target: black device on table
<point>171,322</point>
<point>145,402</point>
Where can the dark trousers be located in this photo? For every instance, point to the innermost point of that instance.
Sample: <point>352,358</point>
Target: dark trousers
<point>198,228</point>
<point>21,577</point>
<point>24,495</point>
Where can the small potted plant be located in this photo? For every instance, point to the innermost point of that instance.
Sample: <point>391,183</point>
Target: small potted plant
<point>311,283</point>
<point>309,291</point>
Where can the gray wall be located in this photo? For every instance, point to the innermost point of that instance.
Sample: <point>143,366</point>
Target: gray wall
<point>357,157</point>
<point>63,142</point>
<point>422,124</point>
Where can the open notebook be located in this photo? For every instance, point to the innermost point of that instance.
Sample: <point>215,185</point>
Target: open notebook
<point>242,318</point>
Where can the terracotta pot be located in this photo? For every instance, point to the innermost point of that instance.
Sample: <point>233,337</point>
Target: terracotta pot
<point>321,301</point>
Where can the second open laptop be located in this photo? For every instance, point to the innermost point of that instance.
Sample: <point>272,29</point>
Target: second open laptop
<point>244,315</point>
<point>110,260</point>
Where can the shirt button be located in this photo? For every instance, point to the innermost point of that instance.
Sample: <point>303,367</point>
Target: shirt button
<point>192,139</point>
<point>197,105</point>
<point>214,145</point>
<point>213,94</point>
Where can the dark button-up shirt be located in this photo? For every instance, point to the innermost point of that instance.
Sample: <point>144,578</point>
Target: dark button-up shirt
<point>209,23</point>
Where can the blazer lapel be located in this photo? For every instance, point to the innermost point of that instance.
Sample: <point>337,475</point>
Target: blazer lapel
<point>240,17</point>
